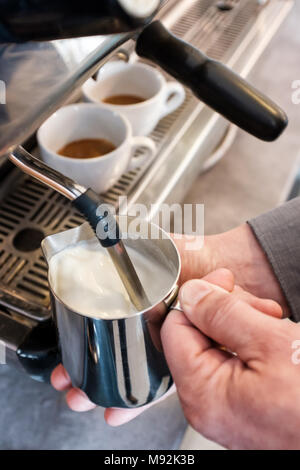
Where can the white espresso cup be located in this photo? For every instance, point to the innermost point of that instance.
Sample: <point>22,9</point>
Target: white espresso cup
<point>161,97</point>
<point>89,121</point>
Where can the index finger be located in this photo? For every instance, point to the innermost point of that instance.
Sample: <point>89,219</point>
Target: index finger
<point>185,347</point>
<point>226,319</point>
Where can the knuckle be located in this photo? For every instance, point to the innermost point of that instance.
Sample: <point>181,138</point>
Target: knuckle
<point>268,347</point>
<point>258,350</point>
<point>194,405</point>
<point>197,410</point>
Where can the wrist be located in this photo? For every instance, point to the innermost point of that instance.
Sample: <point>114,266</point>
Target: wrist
<point>239,251</point>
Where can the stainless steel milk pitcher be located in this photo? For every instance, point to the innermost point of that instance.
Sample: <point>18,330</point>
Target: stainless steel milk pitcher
<point>117,363</point>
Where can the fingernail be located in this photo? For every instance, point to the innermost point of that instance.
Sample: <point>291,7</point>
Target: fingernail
<point>193,292</point>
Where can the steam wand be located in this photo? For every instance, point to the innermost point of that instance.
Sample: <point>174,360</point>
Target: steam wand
<point>88,203</point>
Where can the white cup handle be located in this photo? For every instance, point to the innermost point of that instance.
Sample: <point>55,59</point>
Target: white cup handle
<point>138,143</point>
<point>173,102</point>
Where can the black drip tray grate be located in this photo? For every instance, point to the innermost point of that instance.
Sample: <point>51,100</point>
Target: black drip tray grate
<point>28,213</point>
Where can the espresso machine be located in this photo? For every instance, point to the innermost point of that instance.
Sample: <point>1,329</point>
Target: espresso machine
<point>208,46</point>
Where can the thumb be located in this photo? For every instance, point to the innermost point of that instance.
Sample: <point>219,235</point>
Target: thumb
<point>226,319</point>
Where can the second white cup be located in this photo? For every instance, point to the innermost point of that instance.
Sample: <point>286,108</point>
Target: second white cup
<point>89,121</point>
<point>160,97</point>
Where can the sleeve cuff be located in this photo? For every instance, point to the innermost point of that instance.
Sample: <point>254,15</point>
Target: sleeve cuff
<point>278,233</point>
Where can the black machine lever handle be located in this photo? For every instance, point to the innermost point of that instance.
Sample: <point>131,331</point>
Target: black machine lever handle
<point>213,83</point>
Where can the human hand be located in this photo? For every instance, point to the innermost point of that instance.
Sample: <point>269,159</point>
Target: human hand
<point>78,401</point>
<point>239,251</point>
<point>245,401</point>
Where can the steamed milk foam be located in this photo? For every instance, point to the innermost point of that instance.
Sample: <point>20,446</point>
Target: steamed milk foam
<point>85,279</point>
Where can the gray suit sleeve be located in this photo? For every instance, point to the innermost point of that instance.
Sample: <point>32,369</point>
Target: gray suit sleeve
<point>278,232</point>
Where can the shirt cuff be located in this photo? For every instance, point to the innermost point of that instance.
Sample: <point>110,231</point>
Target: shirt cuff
<point>278,233</point>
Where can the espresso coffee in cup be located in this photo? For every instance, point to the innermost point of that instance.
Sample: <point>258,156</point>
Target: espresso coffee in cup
<point>137,91</point>
<point>92,145</point>
<point>123,100</point>
<point>87,148</point>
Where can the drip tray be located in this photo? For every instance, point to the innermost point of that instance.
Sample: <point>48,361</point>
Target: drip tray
<point>28,213</point>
